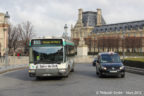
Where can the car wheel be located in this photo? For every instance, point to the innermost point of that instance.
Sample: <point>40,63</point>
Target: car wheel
<point>122,75</point>
<point>100,75</point>
<point>94,64</point>
<point>97,73</point>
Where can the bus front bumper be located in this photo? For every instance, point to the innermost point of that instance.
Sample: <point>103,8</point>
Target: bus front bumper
<point>32,72</point>
<point>48,72</point>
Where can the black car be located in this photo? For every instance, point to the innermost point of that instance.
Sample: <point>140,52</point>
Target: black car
<point>109,64</point>
<point>94,61</point>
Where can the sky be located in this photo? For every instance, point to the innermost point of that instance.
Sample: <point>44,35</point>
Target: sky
<point>49,16</point>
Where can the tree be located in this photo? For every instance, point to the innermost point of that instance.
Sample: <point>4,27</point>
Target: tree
<point>26,33</point>
<point>13,36</point>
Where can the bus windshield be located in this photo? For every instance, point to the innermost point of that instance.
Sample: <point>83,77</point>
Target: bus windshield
<point>47,55</point>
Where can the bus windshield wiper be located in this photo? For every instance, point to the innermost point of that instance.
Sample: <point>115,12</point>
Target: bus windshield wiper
<point>58,62</point>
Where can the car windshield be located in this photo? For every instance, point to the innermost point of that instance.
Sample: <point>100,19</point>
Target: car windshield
<point>47,54</point>
<point>110,58</point>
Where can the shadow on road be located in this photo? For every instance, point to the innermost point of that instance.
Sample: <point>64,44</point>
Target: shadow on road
<point>48,78</point>
<point>23,75</point>
<point>90,71</point>
<point>81,70</point>
<point>85,70</point>
<point>86,73</point>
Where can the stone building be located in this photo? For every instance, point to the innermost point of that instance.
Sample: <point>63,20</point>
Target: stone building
<point>86,23</point>
<point>127,36</point>
<point>3,32</point>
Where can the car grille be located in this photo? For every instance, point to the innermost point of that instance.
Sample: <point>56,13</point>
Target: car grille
<point>112,68</point>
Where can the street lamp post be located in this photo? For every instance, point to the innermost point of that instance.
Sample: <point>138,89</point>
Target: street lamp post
<point>97,42</point>
<point>6,37</point>
<point>65,34</point>
<point>123,43</point>
<point>141,37</point>
<point>94,45</point>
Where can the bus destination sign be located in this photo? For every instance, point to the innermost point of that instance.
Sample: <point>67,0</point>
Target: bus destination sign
<point>46,42</point>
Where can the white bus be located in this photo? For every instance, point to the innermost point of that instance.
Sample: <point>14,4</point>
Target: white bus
<point>51,57</point>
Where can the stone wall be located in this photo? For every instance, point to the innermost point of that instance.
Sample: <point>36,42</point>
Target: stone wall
<point>14,60</point>
<point>83,59</point>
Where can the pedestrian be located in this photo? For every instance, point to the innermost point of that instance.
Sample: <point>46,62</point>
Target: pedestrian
<point>0,57</point>
<point>18,55</point>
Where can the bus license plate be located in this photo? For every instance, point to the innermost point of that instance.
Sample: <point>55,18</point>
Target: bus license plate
<point>47,66</point>
<point>47,74</point>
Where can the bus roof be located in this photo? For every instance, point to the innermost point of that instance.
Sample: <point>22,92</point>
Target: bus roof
<point>65,41</point>
<point>47,37</point>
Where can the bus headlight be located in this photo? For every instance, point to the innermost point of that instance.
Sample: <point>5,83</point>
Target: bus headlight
<point>122,67</point>
<point>62,70</point>
<point>31,71</point>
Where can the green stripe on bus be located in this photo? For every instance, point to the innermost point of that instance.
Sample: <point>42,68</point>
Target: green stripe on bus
<point>29,43</point>
<point>67,43</point>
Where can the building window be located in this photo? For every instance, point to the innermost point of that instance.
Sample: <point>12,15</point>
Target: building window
<point>106,29</point>
<point>141,27</point>
<point>134,34</point>
<point>4,29</point>
<point>101,30</point>
<point>131,27</point>
<point>120,28</point>
<point>126,27</point>
<point>110,29</point>
<point>136,27</point>
<point>115,29</point>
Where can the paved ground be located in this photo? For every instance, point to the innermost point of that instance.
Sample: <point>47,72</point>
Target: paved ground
<point>83,82</point>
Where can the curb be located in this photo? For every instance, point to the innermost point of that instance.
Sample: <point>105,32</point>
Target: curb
<point>134,70</point>
<point>12,68</point>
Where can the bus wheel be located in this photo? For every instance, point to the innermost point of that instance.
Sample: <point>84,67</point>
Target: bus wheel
<point>38,78</point>
<point>67,75</point>
<point>68,72</point>
<point>72,70</point>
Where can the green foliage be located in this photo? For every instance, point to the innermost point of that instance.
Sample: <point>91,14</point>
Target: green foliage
<point>134,62</point>
<point>135,59</point>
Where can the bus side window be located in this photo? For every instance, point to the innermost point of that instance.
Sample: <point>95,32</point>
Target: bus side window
<point>71,51</point>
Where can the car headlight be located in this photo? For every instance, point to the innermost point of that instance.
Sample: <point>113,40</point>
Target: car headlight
<point>103,67</point>
<point>122,67</point>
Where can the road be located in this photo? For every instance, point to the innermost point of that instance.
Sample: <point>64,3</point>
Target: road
<point>83,82</point>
